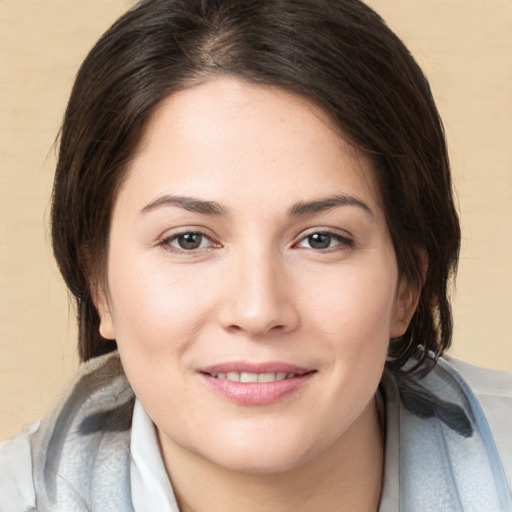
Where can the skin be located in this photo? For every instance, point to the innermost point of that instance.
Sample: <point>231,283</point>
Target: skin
<point>257,288</point>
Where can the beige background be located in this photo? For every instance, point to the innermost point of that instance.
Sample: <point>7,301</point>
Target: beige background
<point>465,47</point>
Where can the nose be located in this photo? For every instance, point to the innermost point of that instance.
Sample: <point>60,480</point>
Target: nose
<point>258,296</point>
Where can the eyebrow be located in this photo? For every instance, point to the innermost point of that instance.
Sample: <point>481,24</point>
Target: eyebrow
<point>188,203</point>
<point>299,209</point>
<point>328,203</point>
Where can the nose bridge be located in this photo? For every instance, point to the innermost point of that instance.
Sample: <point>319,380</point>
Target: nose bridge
<point>258,300</point>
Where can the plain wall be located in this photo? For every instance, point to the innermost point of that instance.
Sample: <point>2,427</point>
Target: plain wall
<point>464,46</point>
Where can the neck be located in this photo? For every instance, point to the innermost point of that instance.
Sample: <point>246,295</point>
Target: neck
<point>347,476</point>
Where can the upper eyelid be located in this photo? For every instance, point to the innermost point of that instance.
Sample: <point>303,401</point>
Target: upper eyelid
<point>168,244</point>
<point>343,237</point>
<point>335,236</point>
<point>177,235</point>
<point>175,232</point>
<point>342,233</point>
<point>166,240</point>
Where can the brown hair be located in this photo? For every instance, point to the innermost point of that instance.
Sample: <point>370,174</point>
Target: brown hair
<point>337,53</point>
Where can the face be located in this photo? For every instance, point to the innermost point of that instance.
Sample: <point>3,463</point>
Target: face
<point>252,284</point>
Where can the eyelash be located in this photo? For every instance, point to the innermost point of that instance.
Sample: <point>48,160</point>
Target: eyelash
<point>341,242</point>
<point>167,242</point>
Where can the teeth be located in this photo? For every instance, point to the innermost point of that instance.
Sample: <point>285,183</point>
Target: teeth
<point>266,377</point>
<point>248,377</point>
<point>254,377</point>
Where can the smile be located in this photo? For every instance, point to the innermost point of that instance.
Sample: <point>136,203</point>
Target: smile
<point>254,377</point>
<point>256,384</point>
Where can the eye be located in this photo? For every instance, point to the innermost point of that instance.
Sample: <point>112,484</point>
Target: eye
<point>189,241</point>
<point>324,240</point>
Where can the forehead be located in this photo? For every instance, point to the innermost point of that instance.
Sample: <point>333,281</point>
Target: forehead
<point>242,141</point>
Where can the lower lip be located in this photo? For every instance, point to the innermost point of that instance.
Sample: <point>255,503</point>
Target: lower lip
<point>256,393</point>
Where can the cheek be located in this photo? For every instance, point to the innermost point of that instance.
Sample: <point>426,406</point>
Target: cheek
<point>156,317</point>
<point>154,309</point>
<point>353,317</point>
<point>355,306</point>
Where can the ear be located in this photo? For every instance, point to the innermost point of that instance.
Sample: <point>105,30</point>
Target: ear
<point>102,303</point>
<point>99,293</point>
<point>407,299</point>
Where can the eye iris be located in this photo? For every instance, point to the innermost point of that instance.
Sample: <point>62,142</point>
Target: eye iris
<point>319,241</point>
<point>190,241</point>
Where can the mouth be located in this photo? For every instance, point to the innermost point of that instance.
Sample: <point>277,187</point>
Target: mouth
<point>256,384</point>
<point>255,377</point>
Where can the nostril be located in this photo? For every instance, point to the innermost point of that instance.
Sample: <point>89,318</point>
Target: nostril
<point>235,328</point>
<point>276,328</point>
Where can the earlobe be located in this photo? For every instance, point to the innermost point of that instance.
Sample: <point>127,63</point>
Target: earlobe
<point>407,298</point>
<point>99,295</point>
<point>102,304</point>
<point>405,305</point>
<point>107,327</point>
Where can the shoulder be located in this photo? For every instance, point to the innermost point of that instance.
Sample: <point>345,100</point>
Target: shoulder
<point>455,418</point>
<point>493,391</point>
<point>17,493</point>
<point>492,388</point>
<point>483,381</point>
<point>79,448</point>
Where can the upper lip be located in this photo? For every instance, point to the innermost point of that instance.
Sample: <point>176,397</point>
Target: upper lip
<point>249,367</point>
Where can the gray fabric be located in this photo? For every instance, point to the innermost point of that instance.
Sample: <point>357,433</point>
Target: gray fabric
<point>441,453</point>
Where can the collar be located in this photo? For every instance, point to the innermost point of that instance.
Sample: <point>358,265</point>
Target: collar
<point>151,489</point>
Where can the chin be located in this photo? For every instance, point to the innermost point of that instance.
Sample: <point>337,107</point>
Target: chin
<point>268,455</point>
<point>260,464</point>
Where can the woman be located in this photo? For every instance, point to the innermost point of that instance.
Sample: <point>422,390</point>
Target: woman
<point>253,210</point>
